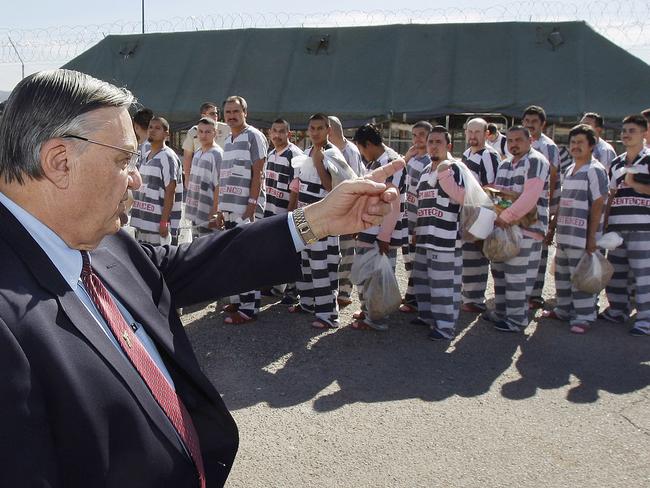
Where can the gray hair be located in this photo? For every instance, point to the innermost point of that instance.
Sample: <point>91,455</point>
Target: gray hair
<point>47,105</point>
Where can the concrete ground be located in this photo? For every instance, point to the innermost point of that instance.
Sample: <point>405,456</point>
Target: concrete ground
<point>348,408</point>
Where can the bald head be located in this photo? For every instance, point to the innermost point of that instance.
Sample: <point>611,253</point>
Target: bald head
<point>336,130</point>
<point>476,133</point>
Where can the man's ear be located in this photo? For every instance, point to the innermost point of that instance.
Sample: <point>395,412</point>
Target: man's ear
<point>54,162</point>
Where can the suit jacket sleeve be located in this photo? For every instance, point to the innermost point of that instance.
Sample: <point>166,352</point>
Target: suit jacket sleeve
<point>247,257</point>
<point>25,428</point>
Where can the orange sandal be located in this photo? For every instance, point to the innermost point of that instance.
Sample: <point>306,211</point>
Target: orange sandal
<point>238,319</point>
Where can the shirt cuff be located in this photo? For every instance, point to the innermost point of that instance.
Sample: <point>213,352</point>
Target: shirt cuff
<point>295,235</point>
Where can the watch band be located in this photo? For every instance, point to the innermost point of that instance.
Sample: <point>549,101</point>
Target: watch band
<point>306,234</point>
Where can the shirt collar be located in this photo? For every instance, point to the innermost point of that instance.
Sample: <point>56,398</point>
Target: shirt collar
<point>66,260</point>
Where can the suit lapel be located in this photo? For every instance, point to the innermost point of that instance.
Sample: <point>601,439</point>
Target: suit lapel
<point>50,279</point>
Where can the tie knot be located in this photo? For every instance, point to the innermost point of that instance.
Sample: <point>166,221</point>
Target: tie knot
<point>85,266</point>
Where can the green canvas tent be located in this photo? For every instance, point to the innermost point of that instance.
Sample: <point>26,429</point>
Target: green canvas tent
<point>399,72</point>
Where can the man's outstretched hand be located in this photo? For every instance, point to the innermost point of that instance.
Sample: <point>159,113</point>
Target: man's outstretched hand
<point>354,205</point>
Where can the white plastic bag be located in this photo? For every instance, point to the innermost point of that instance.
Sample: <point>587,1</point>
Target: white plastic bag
<point>338,167</point>
<point>502,244</point>
<point>592,273</point>
<point>374,272</point>
<point>610,241</point>
<point>477,216</point>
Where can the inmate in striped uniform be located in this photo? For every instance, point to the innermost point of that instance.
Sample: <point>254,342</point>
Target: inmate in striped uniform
<point>398,235</point>
<point>318,287</point>
<point>438,256</point>
<point>483,164</point>
<point>235,179</point>
<point>414,167</point>
<point>630,217</point>
<point>278,176</point>
<point>514,279</point>
<point>579,191</point>
<point>549,149</point>
<point>158,171</point>
<point>346,242</point>
<point>604,152</point>
<point>204,180</point>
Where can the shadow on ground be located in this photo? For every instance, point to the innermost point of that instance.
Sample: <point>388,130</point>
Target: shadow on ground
<point>282,361</point>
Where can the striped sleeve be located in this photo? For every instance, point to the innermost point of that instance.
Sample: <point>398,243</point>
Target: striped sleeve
<point>598,184</point>
<point>259,146</point>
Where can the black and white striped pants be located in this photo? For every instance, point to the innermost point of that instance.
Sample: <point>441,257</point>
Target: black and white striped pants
<point>475,274</point>
<point>437,279</point>
<point>513,283</point>
<point>347,245</point>
<point>318,287</point>
<point>573,305</point>
<point>631,260</point>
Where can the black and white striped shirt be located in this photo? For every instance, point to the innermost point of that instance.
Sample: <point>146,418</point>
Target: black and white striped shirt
<point>204,179</point>
<point>279,175</point>
<point>414,167</point>
<point>483,163</point>
<point>399,236</point>
<point>578,192</point>
<point>630,210</point>
<point>157,173</point>
<point>438,215</point>
<point>236,172</point>
<point>512,177</point>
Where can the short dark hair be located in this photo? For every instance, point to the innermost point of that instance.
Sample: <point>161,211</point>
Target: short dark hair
<point>207,121</point>
<point>320,116</point>
<point>207,106</point>
<point>585,129</point>
<point>637,119</point>
<point>237,99</point>
<point>441,129</point>
<point>162,120</point>
<point>142,117</point>
<point>492,128</point>
<point>535,110</point>
<point>423,124</point>
<point>282,121</point>
<point>368,134</point>
<point>598,119</point>
<point>519,128</point>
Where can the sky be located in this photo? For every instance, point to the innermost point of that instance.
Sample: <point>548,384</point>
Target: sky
<point>43,21</point>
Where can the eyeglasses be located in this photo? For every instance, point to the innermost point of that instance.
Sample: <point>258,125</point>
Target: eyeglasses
<point>134,162</point>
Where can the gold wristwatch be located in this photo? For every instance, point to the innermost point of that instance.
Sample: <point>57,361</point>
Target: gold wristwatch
<point>306,234</point>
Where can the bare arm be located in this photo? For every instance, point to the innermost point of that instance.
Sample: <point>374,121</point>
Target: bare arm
<point>318,158</point>
<point>167,208</point>
<point>187,166</point>
<point>608,207</point>
<point>257,172</point>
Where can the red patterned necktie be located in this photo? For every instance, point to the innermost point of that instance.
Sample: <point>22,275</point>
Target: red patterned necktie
<point>160,388</point>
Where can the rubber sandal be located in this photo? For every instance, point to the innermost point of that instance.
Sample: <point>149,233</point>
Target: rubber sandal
<point>579,329</point>
<point>360,325</point>
<point>298,309</point>
<point>323,324</point>
<point>535,303</point>
<point>231,308</point>
<point>343,302</point>
<point>238,319</point>
<point>406,308</point>
<point>360,315</point>
<point>550,314</point>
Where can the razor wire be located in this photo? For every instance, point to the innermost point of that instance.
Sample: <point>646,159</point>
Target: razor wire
<point>625,22</point>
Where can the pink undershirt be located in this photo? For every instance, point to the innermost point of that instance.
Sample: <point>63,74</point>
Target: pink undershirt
<point>533,189</point>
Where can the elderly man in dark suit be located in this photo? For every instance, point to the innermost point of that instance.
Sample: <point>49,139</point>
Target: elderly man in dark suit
<point>101,387</point>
